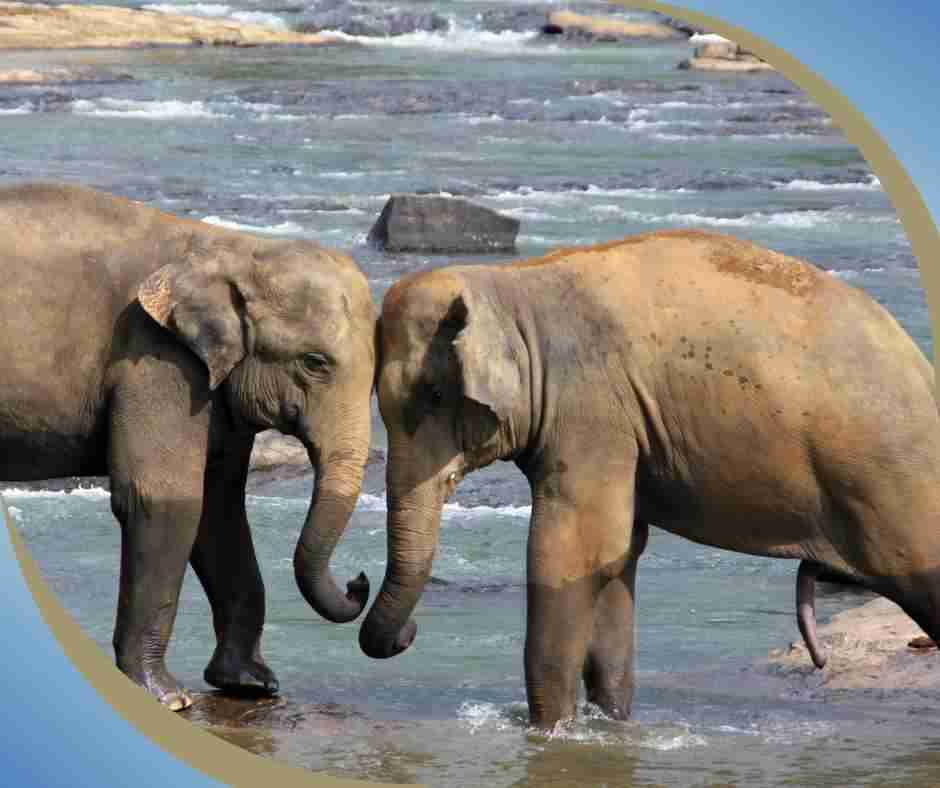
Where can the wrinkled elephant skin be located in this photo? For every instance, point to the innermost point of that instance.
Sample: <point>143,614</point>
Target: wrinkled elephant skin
<point>724,392</point>
<point>153,348</point>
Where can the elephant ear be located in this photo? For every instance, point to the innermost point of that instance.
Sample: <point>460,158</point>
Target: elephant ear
<point>490,374</point>
<point>204,309</point>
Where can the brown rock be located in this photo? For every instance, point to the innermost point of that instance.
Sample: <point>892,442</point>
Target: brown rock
<point>610,29</point>
<point>28,26</point>
<point>868,648</point>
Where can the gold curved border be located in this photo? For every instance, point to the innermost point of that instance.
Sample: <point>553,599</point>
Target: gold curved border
<point>230,764</point>
<point>180,738</point>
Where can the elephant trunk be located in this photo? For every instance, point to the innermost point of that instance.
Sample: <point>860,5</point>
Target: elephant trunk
<point>338,481</point>
<point>414,521</point>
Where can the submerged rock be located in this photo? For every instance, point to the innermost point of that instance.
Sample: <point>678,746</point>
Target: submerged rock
<point>59,75</point>
<point>412,223</point>
<point>356,20</point>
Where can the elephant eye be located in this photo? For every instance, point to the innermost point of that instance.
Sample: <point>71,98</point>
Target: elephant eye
<point>436,395</point>
<point>315,362</point>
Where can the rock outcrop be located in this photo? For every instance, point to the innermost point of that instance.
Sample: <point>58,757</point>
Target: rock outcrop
<point>415,223</point>
<point>869,649</point>
<point>601,28</point>
<point>35,26</point>
<point>725,56</point>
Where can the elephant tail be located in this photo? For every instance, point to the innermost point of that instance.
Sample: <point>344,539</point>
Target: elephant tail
<point>806,609</point>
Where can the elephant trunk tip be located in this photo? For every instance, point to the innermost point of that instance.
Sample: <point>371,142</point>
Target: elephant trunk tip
<point>357,590</point>
<point>381,648</point>
<point>323,596</point>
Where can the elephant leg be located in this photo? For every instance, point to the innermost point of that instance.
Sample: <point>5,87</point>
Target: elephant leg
<point>578,542</point>
<point>156,465</point>
<point>225,563</point>
<point>608,668</point>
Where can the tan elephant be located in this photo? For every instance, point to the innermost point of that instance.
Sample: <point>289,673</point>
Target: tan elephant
<point>726,393</point>
<point>152,349</point>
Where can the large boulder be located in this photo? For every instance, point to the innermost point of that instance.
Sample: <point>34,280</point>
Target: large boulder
<point>414,223</point>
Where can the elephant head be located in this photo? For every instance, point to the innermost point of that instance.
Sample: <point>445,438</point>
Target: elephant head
<point>452,395</point>
<point>286,332</point>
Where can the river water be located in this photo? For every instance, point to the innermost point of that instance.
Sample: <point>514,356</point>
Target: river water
<point>582,143</point>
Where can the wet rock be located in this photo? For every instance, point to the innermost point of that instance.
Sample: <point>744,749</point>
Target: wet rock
<point>355,20</point>
<point>516,20</point>
<point>59,75</point>
<point>686,28</point>
<point>412,223</point>
<point>35,26</point>
<point>579,27</point>
<point>869,653</point>
<point>724,56</point>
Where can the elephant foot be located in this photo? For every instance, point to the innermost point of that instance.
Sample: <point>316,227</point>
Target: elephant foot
<point>238,676</point>
<point>612,704</point>
<point>161,684</point>
<point>176,701</point>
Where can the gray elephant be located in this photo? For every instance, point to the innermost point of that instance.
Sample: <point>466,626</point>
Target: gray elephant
<point>152,349</point>
<point>729,394</point>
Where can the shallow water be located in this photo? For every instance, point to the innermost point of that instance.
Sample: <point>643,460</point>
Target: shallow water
<point>582,144</point>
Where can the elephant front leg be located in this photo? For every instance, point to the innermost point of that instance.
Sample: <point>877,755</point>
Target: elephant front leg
<point>578,547</point>
<point>158,446</point>
<point>157,534</point>
<point>225,562</point>
<point>608,668</point>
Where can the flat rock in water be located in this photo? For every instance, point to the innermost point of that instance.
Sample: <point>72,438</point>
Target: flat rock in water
<point>58,75</point>
<point>412,223</point>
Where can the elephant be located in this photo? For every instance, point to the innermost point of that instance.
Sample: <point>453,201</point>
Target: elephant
<point>727,393</point>
<point>152,349</point>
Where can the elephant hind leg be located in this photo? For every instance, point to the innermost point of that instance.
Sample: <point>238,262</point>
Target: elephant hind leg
<point>224,560</point>
<point>608,667</point>
<point>918,595</point>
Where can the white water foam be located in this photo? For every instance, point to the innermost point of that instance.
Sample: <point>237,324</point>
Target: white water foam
<point>481,714</point>
<point>457,39</point>
<point>23,109</point>
<point>871,183</point>
<point>89,493</point>
<point>284,228</point>
<point>148,110</point>
<point>708,38</point>
<point>528,194</point>
<point>790,219</point>
<point>219,11</point>
<point>378,503</point>
<point>853,273</point>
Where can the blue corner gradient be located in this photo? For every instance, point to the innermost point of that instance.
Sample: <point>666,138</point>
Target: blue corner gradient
<point>56,731</point>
